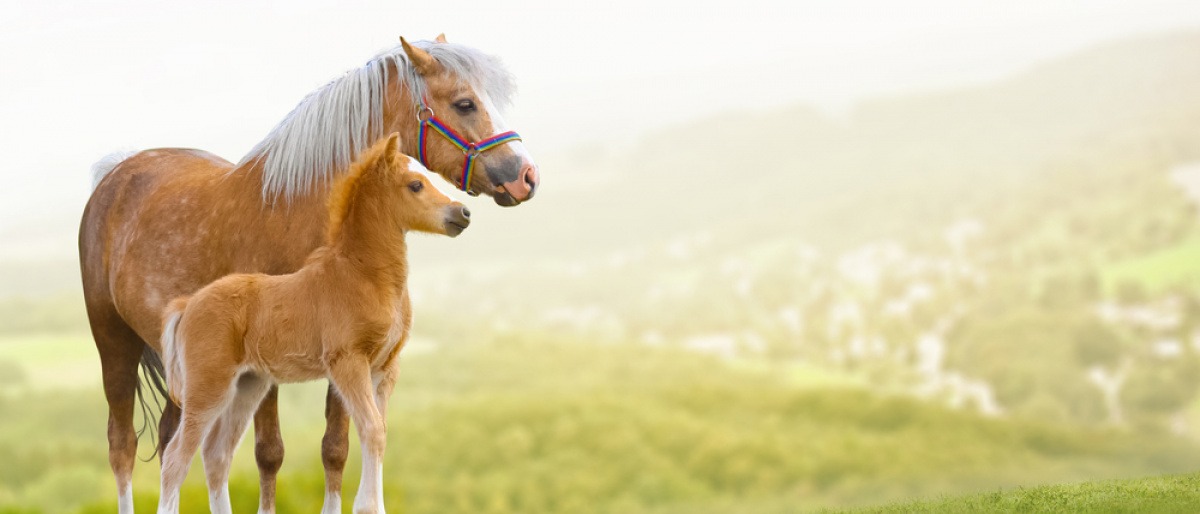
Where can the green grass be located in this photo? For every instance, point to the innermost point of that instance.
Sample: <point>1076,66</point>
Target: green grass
<point>533,424</point>
<point>1166,494</point>
<point>1177,265</point>
<point>53,361</point>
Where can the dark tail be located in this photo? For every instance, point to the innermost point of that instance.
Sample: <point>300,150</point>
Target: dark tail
<point>151,385</point>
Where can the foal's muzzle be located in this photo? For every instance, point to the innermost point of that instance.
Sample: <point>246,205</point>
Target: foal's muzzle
<point>458,218</point>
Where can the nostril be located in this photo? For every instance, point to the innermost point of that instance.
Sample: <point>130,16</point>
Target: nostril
<point>466,213</point>
<point>530,176</point>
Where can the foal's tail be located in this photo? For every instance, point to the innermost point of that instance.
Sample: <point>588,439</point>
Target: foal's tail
<point>172,362</point>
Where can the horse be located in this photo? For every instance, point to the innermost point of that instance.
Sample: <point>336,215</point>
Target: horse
<point>161,223</point>
<point>344,315</point>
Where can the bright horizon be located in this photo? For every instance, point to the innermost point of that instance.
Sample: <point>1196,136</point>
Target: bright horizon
<point>138,75</point>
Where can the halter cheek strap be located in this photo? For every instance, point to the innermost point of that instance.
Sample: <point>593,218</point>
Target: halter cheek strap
<point>470,149</point>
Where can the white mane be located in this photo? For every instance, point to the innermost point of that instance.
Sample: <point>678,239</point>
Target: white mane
<point>333,124</point>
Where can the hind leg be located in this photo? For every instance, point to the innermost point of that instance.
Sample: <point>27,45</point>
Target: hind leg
<point>268,449</point>
<point>120,351</point>
<point>335,446</point>
<point>207,395</point>
<point>223,438</point>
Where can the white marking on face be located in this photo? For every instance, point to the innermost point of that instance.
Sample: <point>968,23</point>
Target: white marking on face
<point>499,125</point>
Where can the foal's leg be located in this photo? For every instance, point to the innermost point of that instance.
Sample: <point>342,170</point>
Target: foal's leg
<point>352,377</point>
<point>222,439</point>
<point>207,395</point>
<point>268,449</point>
<point>334,448</point>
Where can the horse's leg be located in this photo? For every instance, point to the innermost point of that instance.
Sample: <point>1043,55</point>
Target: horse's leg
<point>268,449</point>
<point>224,436</point>
<point>120,351</point>
<point>206,396</point>
<point>352,377</point>
<point>335,446</point>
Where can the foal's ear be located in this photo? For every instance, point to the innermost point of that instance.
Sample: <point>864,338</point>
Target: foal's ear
<point>420,59</point>
<point>392,148</point>
<point>441,38</point>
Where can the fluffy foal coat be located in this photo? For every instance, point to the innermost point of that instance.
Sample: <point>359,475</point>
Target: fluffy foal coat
<point>344,316</point>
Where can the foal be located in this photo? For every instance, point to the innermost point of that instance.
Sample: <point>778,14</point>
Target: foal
<point>344,316</point>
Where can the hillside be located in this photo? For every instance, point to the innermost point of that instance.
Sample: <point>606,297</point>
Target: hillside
<point>892,165</point>
<point>1167,494</point>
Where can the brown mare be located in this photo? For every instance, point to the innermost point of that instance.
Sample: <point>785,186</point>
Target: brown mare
<point>162,223</point>
<point>344,316</point>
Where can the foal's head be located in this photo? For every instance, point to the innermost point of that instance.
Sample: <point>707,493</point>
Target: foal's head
<point>387,187</point>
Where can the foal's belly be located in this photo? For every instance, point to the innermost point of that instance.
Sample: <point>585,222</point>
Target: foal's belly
<point>290,364</point>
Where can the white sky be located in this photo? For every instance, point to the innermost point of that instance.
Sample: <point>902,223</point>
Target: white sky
<point>80,79</point>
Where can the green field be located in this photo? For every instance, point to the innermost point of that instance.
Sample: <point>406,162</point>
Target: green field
<point>1176,266</point>
<point>1167,494</point>
<point>540,425</point>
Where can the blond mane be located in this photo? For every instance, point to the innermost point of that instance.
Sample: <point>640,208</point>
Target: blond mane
<point>327,130</point>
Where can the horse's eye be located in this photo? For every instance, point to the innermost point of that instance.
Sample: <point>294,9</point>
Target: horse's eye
<point>465,106</point>
<point>416,186</point>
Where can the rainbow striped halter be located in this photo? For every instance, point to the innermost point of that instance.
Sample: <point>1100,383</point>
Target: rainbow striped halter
<point>470,149</point>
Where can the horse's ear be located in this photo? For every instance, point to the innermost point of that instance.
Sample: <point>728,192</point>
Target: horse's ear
<point>420,59</point>
<point>441,38</point>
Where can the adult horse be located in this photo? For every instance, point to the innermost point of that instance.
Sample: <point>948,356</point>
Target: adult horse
<point>162,223</point>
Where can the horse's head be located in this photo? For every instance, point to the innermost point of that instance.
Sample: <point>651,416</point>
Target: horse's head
<point>465,136</point>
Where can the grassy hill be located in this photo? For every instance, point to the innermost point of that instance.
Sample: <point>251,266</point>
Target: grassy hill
<point>1167,494</point>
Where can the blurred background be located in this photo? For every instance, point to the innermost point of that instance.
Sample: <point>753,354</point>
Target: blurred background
<point>786,255</point>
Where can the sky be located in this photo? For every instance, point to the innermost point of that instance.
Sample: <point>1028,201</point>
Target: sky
<point>81,79</point>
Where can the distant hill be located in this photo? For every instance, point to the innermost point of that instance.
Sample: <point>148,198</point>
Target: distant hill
<point>893,162</point>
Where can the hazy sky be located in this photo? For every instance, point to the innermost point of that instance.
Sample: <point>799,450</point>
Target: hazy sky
<point>80,79</point>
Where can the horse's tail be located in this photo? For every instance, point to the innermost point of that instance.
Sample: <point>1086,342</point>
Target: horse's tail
<point>156,374</point>
<point>172,361</point>
<point>107,164</point>
<point>152,407</point>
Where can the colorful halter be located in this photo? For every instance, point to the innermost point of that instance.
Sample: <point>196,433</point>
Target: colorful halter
<point>426,119</point>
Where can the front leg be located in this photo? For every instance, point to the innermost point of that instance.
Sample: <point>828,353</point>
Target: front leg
<point>351,375</point>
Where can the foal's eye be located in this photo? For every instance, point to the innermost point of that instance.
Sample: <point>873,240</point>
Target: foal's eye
<point>416,186</point>
<point>465,106</point>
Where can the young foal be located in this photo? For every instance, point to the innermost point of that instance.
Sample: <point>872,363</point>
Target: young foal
<point>344,316</point>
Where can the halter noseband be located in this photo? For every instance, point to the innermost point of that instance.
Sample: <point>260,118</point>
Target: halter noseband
<point>426,119</point>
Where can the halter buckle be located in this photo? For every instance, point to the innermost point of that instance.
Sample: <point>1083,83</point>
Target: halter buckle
<point>423,110</point>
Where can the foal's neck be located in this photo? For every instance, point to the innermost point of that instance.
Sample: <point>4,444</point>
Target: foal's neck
<point>371,243</point>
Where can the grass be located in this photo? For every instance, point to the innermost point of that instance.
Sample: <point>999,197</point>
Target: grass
<point>1166,494</point>
<point>1179,264</point>
<point>54,361</point>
